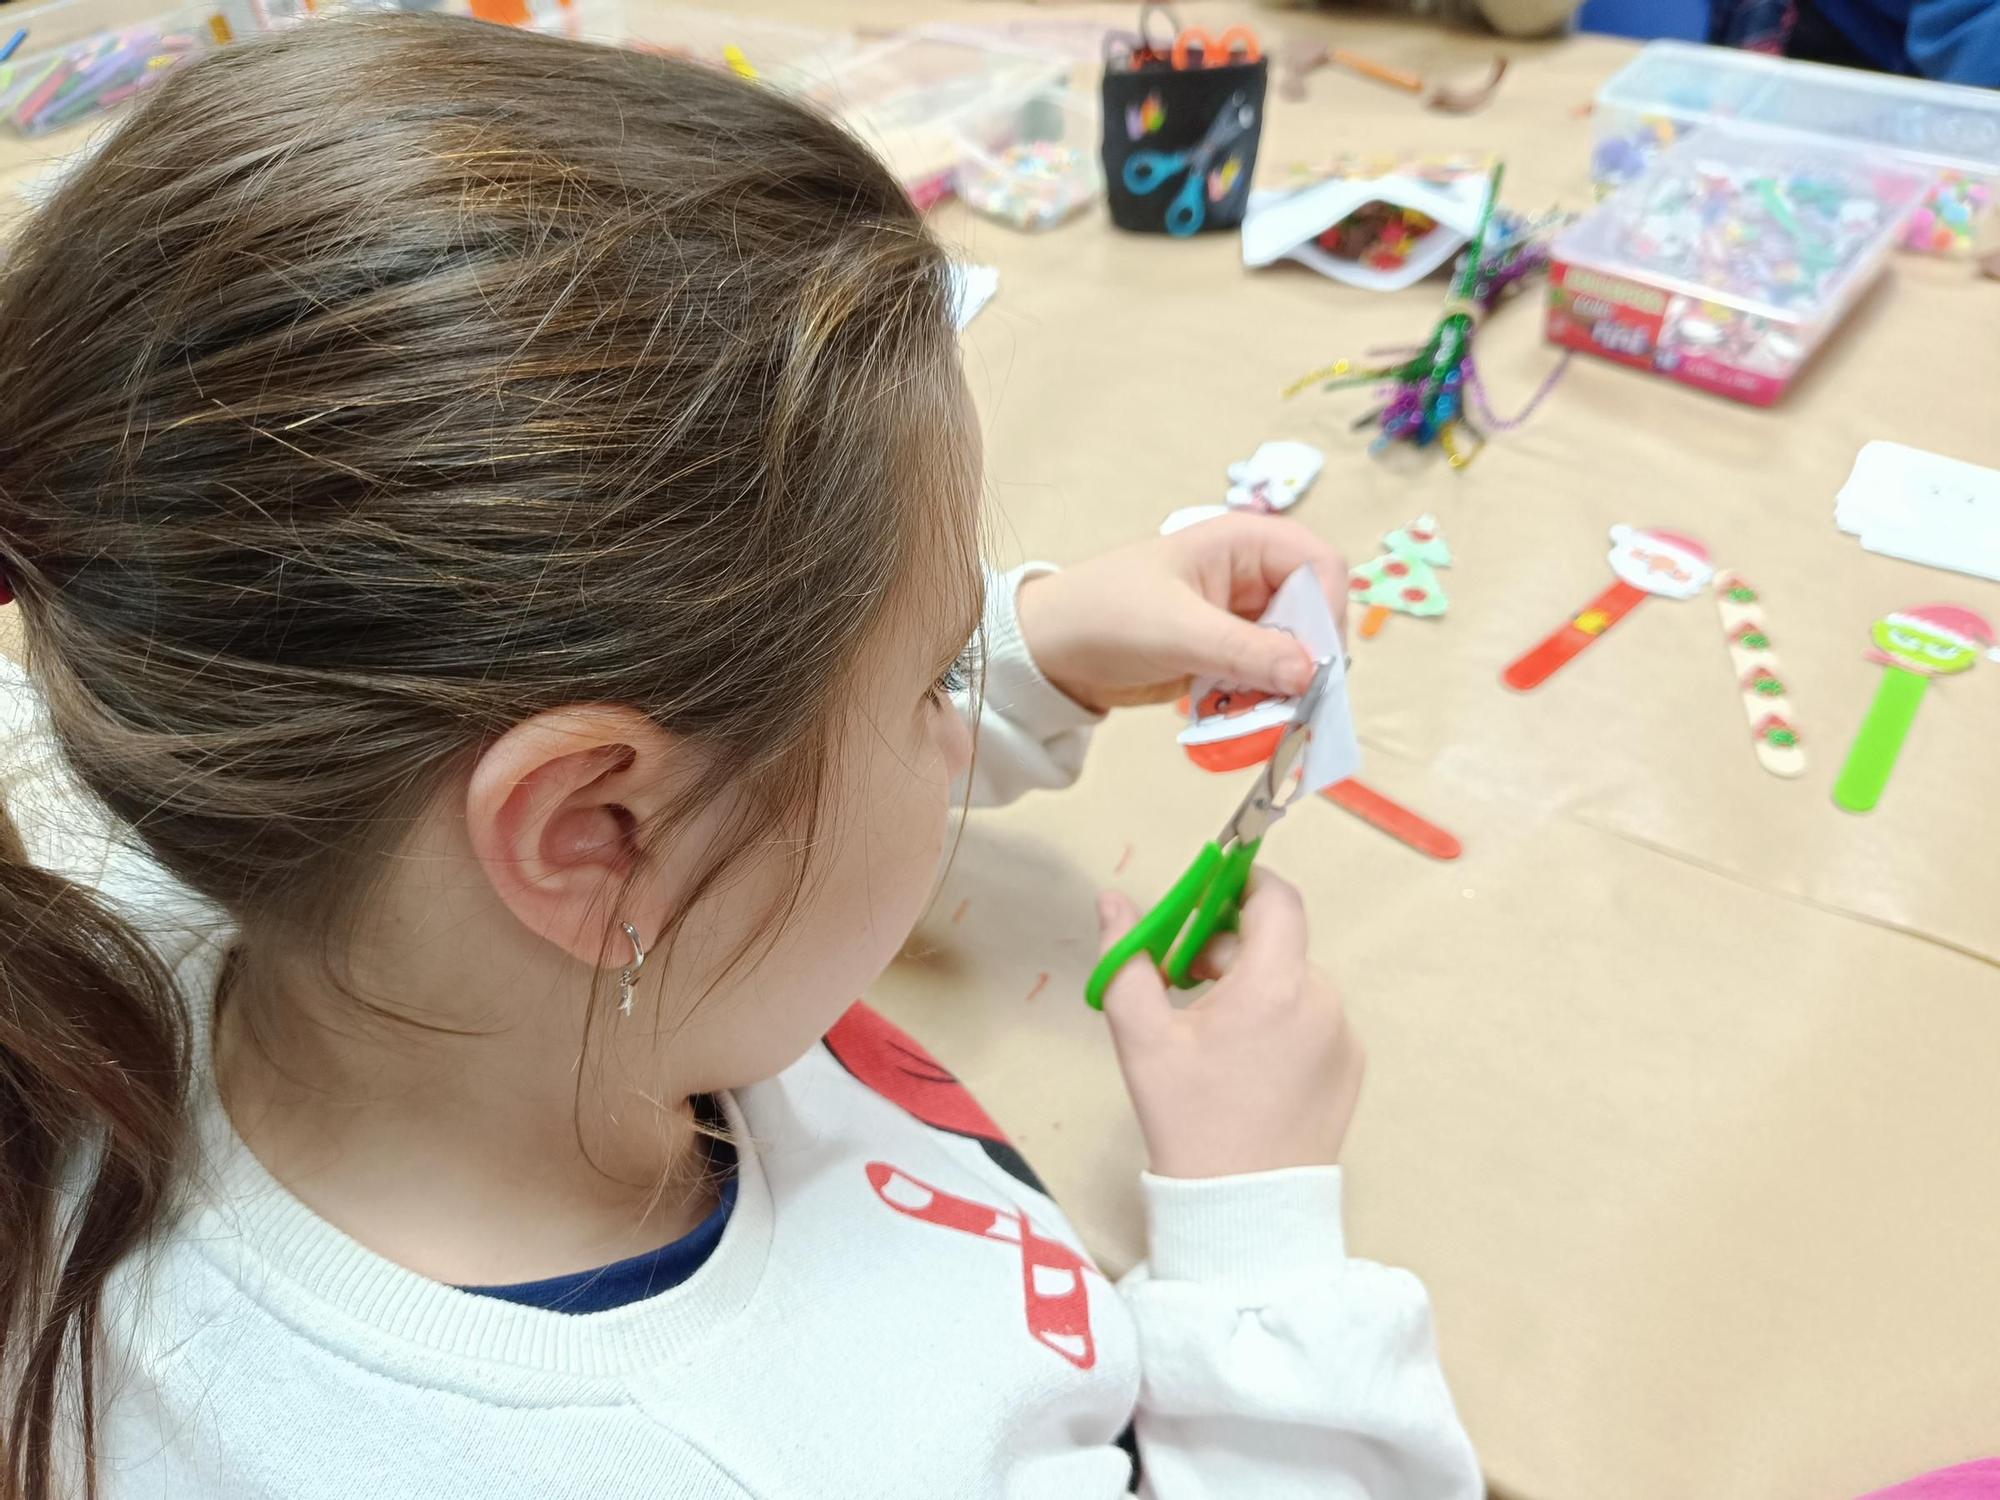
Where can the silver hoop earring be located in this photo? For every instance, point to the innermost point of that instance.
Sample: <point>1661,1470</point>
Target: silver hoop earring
<point>631,971</point>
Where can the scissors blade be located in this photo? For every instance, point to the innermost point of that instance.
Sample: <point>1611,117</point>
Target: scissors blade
<point>1266,800</point>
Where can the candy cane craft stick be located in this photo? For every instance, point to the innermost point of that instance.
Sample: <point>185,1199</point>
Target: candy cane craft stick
<point>1651,561</point>
<point>1765,699</point>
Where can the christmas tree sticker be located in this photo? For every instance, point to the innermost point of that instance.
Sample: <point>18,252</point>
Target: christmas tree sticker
<point>1405,577</point>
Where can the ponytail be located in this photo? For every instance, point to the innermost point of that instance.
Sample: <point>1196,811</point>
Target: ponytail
<point>93,1059</point>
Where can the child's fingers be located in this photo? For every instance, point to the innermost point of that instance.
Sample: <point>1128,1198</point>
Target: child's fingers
<point>1272,929</point>
<point>1135,1002</point>
<point>1218,644</point>
<point>1217,956</point>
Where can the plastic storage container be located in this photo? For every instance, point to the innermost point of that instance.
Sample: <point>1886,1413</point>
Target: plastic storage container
<point>84,58</point>
<point>1730,259</point>
<point>1028,158</point>
<point>901,98</point>
<point>1673,88</point>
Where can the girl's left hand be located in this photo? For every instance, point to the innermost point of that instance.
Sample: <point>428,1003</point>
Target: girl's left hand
<point>1133,625</point>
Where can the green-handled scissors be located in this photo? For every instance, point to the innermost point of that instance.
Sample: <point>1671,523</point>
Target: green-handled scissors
<point>1205,899</point>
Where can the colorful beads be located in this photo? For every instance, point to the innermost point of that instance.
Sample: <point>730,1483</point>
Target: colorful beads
<point>1030,185</point>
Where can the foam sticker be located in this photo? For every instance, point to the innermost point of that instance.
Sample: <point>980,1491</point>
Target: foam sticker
<point>1224,712</point>
<point>1274,477</point>
<point>1766,697</point>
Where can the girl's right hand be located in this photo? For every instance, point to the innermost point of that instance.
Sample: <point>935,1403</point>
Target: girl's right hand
<point>1261,1072</point>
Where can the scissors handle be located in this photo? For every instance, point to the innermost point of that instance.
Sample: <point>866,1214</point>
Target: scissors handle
<point>1185,213</point>
<point>1146,170</point>
<point>1203,902</point>
<point>1216,50</point>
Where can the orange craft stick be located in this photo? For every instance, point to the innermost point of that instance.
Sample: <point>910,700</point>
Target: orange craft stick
<point>1393,819</point>
<point>1585,626</point>
<point>1367,67</point>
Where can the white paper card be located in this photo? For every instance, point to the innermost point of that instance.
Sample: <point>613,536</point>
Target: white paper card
<point>972,287</point>
<point>1924,508</point>
<point>1221,710</point>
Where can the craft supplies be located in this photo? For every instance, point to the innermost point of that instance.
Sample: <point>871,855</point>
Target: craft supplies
<point>1182,114</point>
<point>1274,477</point>
<point>1923,508</point>
<point>1729,262</point>
<point>1221,711</point>
<point>1913,646</point>
<point>1425,395</point>
<point>1766,698</point>
<point>1377,229</point>
<point>1204,173</point>
<point>1394,819</point>
<point>1672,90</point>
<point>972,287</point>
<point>42,91</point>
<point>13,44</point>
<point>1404,579</point>
<point>906,96</point>
<point>1028,159</point>
<point>1445,98</point>
<point>1649,561</point>
<point>1204,901</point>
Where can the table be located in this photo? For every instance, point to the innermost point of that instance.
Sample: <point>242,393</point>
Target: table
<point>1681,1089</point>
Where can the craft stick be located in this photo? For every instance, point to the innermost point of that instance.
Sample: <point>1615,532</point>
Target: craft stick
<point>1880,740</point>
<point>1371,623</point>
<point>1585,626</point>
<point>1393,819</point>
<point>1367,67</point>
<point>13,44</point>
<point>1766,701</point>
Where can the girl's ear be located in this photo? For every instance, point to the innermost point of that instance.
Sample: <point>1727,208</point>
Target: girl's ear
<point>553,811</point>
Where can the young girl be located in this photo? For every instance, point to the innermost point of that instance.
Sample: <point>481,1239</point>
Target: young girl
<point>492,522</point>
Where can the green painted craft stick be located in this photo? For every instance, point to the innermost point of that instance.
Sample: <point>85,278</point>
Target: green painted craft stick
<point>1880,740</point>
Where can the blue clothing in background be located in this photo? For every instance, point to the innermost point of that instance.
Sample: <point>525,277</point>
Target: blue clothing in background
<point>1954,40</point>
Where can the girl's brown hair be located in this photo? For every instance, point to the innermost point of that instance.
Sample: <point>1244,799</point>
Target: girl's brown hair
<point>376,386</point>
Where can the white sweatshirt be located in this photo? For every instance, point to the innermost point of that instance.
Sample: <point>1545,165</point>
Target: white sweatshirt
<point>894,1310</point>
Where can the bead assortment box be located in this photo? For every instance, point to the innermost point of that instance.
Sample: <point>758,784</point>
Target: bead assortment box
<point>1672,90</point>
<point>1727,262</point>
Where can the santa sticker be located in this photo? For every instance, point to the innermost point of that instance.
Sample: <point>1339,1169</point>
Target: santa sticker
<point>1231,726</point>
<point>1647,560</point>
<point>1913,646</point>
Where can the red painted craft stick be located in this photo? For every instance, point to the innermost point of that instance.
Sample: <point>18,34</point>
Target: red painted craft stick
<point>1606,610</point>
<point>1393,819</point>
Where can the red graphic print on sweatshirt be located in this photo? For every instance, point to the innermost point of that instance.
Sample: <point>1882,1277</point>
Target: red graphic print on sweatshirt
<point>1058,1301</point>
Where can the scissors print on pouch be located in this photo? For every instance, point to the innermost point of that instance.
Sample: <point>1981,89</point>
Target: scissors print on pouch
<point>1209,171</point>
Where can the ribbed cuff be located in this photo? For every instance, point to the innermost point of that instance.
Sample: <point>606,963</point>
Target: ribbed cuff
<point>1244,1232</point>
<point>1013,683</point>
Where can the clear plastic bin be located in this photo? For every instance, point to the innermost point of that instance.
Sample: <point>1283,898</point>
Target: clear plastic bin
<point>901,98</point>
<point>1028,159</point>
<point>84,58</point>
<point>1727,262</point>
<point>1673,88</point>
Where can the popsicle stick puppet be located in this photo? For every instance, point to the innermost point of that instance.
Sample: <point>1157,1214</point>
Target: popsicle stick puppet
<point>1405,578</point>
<point>1766,699</point>
<point>1647,561</point>
<point>1913,646</point>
